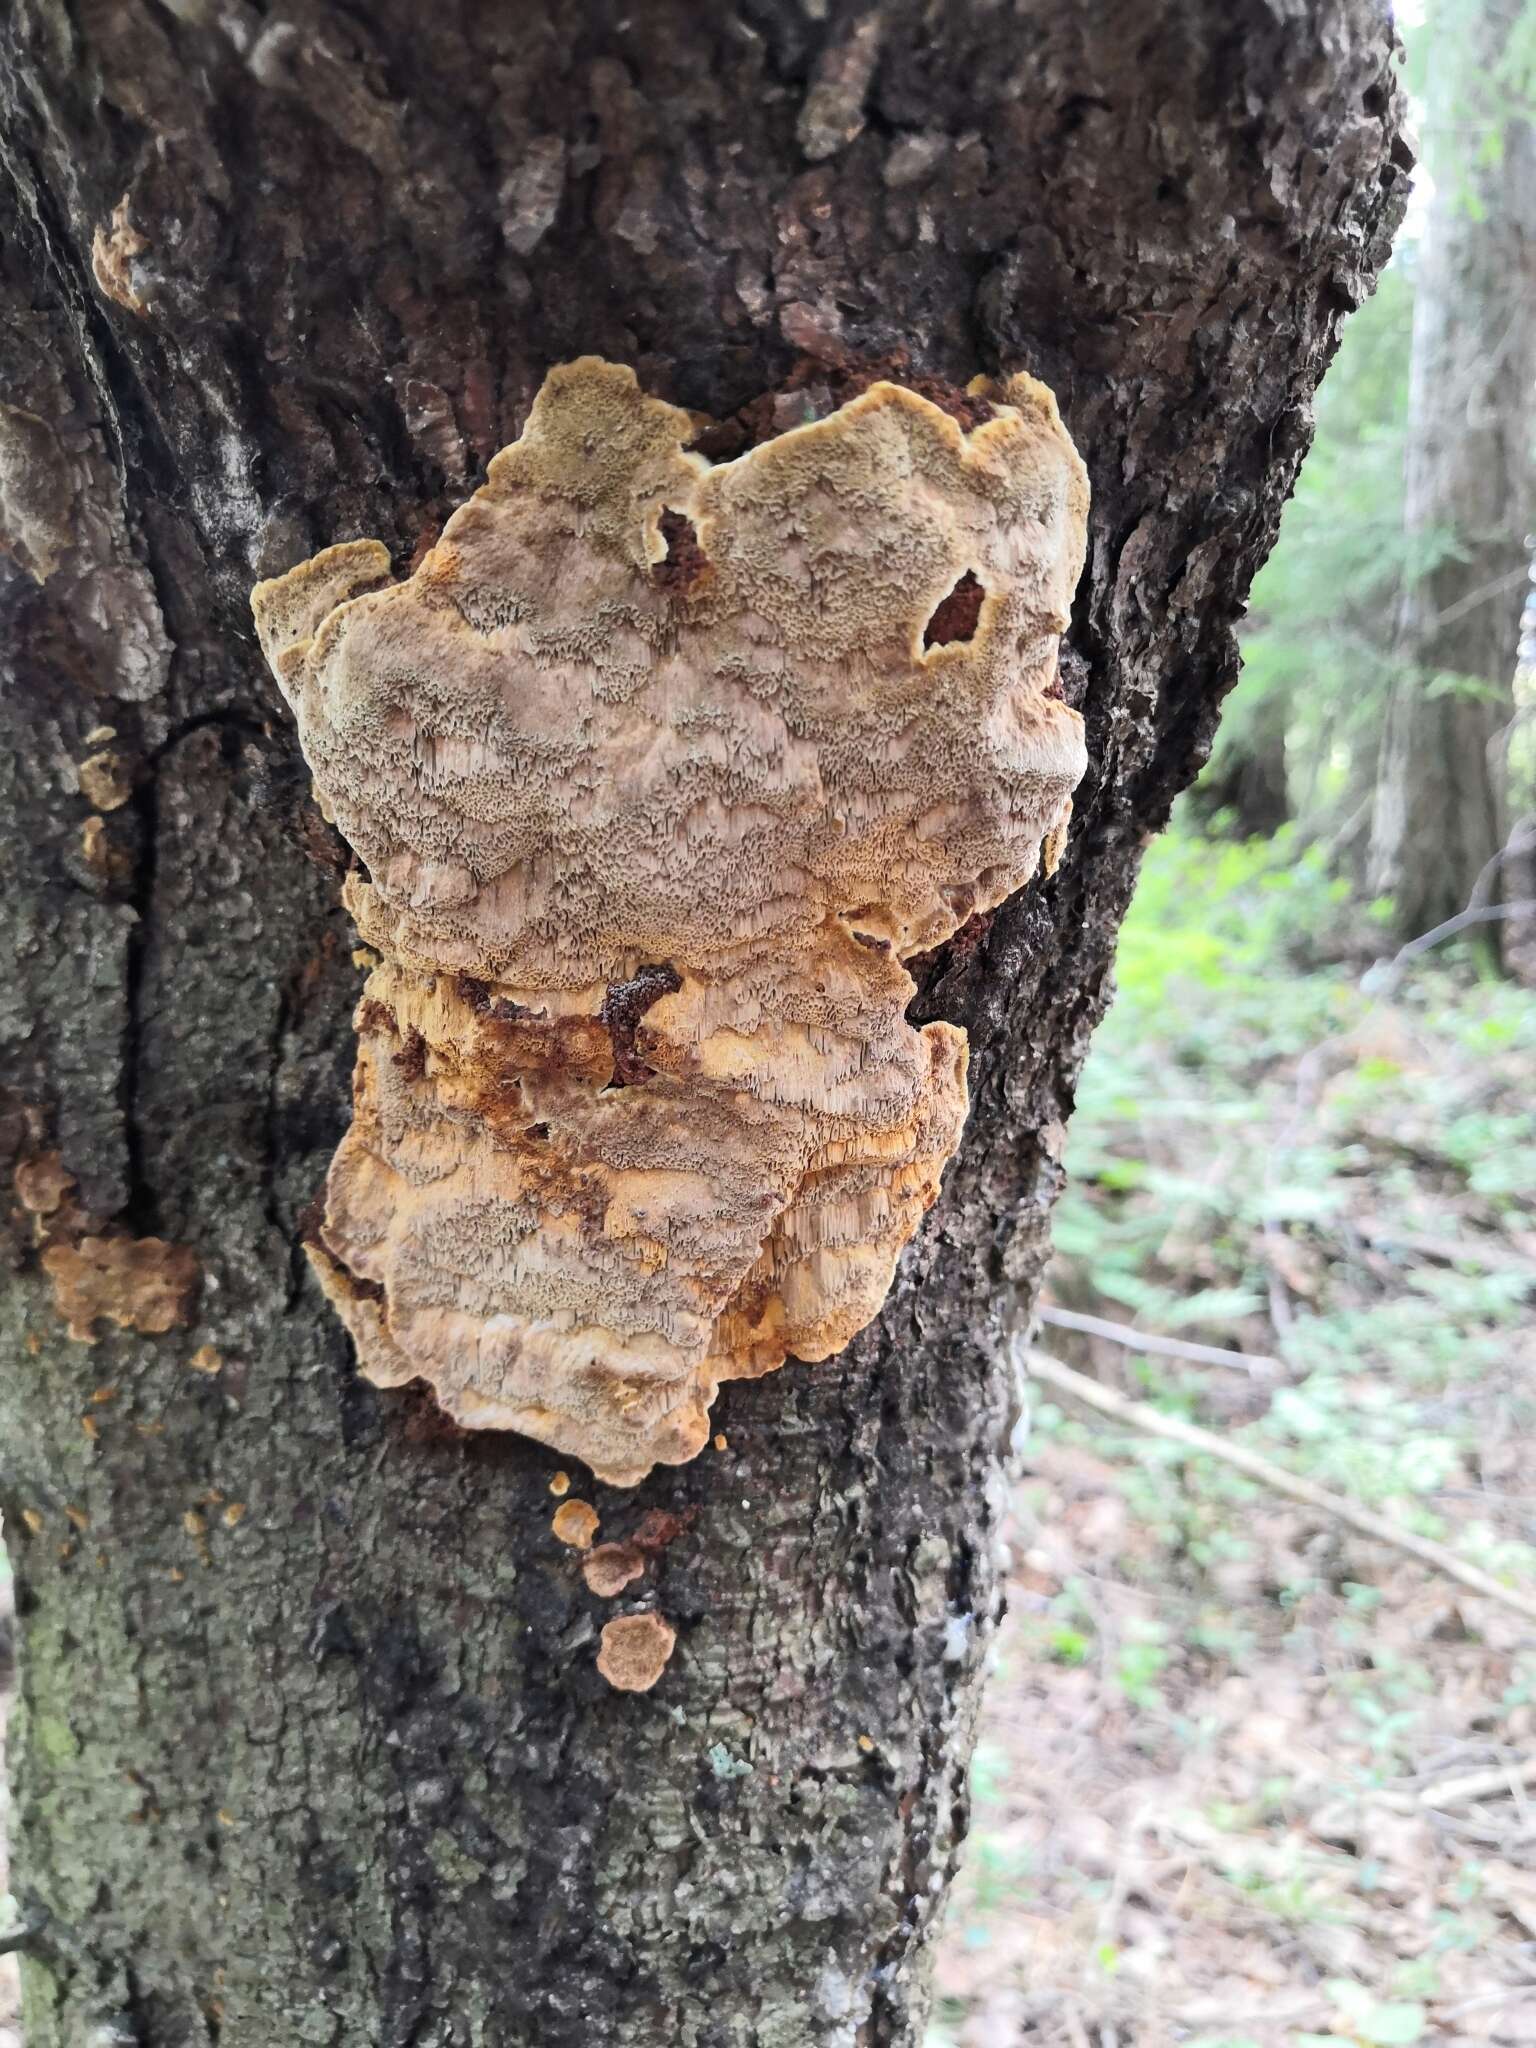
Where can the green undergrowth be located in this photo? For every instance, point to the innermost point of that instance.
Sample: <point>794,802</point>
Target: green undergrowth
<point>1266,1156</point>
<point>1279,1150</point>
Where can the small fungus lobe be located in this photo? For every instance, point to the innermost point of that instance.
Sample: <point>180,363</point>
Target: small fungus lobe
<point>611,1567</point>
<point>93,845</point>
<point>112,256</point>
<point>658,1527</point>
<point>659,771</point>
<point>576,1523</point>
<point>42,1183</point>
<point>139,1283</point>
<point>633,1651</point>
<point>104,781</point>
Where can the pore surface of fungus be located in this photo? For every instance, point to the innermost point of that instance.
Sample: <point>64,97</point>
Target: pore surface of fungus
<point>658,774</point>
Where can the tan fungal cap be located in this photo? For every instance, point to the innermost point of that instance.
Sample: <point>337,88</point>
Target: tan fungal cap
<point>139,1283</point>
<point>42,1183</point>
<point>611,1567</point>
<point>576,1523</point>
<point>112,254</point>
<point>660,771</point>
<point>634,1651</point>
<point>105,781</point>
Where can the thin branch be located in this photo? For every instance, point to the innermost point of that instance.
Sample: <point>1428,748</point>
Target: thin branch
<point>1146,1340</point>
<point>1383,978</point>
<point>1482,2001</point>
<point>1501,1782</point>
<point>1173,1429</point>
<point>1520,838</point>
<point>1473,598</point>
<point>15,1939</point>
<point>1484,913</point>
<point>1072,2021</point>
<point>1493,1257</point>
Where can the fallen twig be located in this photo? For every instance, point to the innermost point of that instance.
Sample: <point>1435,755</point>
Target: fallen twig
<point>1482,2001</point>
<point>1076,2031</point>
<point>1495,1257</point>
<point>1383,978</point>
<point>1502,1781</point>
<point>1173,1429</point>
<point>19,1938</point>
<point>1145,1340</point>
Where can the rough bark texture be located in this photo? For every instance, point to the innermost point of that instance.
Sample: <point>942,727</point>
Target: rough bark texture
<point>1470,493</point>
<point>315,1749</point>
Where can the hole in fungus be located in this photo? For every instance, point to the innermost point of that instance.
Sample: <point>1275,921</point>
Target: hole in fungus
<point>624,1004</point>
<point>685,561</point>
<point>955,616</point>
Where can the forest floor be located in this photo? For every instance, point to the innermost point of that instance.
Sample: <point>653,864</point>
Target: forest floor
<point>1247,1779</point>
<point>1216,1799</point>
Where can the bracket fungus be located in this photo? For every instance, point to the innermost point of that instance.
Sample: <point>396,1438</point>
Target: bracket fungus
<point>634,1649</point>
<point>657,776</point>
<point>575,1522</point>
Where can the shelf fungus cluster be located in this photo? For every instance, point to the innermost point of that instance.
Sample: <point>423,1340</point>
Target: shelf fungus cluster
<point>657,771</point>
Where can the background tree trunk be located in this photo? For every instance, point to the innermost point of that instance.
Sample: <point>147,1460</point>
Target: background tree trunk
<point>1470,493</point>
<point>314,1750</point>
<point>1247,780</point>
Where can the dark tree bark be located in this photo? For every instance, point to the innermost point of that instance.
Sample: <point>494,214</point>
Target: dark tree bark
<point>1470,498</point>
<point>313,1746</point>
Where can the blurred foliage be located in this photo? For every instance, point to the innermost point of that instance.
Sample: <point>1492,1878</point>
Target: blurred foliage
<point>1264,1155</point>
<point>1332,1171</point>
<point>1319,633</point>
<point>1273,1153</point>
<point>1318,641</point>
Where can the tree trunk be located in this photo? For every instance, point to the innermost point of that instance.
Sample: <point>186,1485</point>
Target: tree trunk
<point>313,1748</point>
<point>1470,492</point>
<point>1247,779</point>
